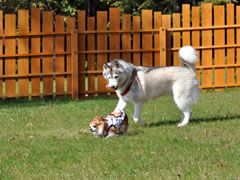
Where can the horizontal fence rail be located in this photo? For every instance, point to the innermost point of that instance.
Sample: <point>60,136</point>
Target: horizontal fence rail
<point>42,54</point>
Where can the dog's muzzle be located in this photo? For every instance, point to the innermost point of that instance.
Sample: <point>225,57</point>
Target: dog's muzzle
<point>115,88</point>
<point>92,129</point>
<point>112,87</point>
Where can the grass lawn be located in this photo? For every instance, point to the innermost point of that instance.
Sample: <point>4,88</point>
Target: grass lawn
<point>49,139</point>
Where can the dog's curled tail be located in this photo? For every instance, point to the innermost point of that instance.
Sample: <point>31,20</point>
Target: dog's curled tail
<point>188,57</point>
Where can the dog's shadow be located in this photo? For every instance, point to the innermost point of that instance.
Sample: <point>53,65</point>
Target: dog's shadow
<point>194,120</point>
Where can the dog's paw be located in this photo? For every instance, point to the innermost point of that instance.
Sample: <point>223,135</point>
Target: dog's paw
<point>139,122</point>
<point>182,124</point>
<point>111,136</point>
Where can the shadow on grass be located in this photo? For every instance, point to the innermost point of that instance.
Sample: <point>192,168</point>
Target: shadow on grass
<point>25,102</point>
<point>134,132</point>
<point>195,120</point>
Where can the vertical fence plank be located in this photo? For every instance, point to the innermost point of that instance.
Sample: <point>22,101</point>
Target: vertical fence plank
<point>238,49</point>
<point>114,16</point>
<point>10,48</point>
<point>47,47</point>
<point>230,41</point>
<point>207,41</point>
<point>186,23</point>
<point>147,37</point>
<point>35,48</point>
<point>101,46</point>
<point>82,47</point>
<point>196,37</point>
<point>166,22</point>
<point>136,40</point>
<point>126,37</point>
<point>75,67</point>
<point>219,40</point>
<point>157,25</point>
<point>23,62</point>
<point>70,21</point>
<point>59,48</point>
<point>91,57</point>
<point>176,38</point>
<point>1,53</point>
<point>163,46</point>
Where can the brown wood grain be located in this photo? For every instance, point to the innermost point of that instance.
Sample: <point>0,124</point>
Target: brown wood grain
<point>91,57</point>
<point>219,39</point>
<point>101,45</point>
<point>23,62</point>
<point>1,53</point>
<point>10,48</point>
<point>59,48</point>
<point>35,48</point>
<point>147,58</point>
<point>81,47</point>
<point>47,46</point>
<point>207,79</point>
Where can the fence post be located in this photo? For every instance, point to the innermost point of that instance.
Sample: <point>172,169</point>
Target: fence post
<point>74,59</point>
<point>163,46</point>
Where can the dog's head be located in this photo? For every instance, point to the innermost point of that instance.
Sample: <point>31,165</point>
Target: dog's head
<point>98,126</point>
<point>115,73</point>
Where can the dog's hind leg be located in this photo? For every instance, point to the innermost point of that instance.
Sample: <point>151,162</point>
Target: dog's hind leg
<point>186,118</point>
<point>186,109</point>
<point>184,104</point>
<point>137,113</point>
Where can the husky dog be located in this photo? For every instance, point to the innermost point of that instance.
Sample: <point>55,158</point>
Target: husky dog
<point>137,84</point>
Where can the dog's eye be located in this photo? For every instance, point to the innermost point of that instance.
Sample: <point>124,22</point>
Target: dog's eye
<point>115,77</point>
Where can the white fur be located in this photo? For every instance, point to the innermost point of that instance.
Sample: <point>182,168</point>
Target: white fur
<point>148,84</point>
<point>188,53</point>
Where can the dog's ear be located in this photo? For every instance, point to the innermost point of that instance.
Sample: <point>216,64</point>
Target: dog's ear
<point>98,117</point>
<point>116,64</point>
<point>106,66</point>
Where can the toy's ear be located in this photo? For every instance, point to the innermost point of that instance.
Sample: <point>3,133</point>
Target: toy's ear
<point>98,119</point>
<point>106,66</point>
<point>103,119</point>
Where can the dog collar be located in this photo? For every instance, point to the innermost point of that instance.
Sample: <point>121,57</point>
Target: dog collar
<point>134,73</point>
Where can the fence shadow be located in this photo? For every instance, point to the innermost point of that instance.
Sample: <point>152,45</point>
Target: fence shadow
<point>25,102</point>
<point>194,120</point>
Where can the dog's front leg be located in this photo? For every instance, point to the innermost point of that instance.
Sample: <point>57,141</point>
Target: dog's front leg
<point>137,113</point>
<point>110,135</point>
<point>121,105</point>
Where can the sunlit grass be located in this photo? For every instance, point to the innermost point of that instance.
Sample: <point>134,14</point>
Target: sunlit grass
<point>49,139</point>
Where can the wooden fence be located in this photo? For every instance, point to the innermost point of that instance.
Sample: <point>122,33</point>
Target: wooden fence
<point>46,55</point>
<point>214,31</point>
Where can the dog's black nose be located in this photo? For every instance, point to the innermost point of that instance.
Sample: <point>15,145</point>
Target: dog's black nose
<point>115,87</point>
<point>91,129</point>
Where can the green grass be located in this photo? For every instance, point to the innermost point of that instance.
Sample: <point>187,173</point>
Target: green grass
<point>49,139</point>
